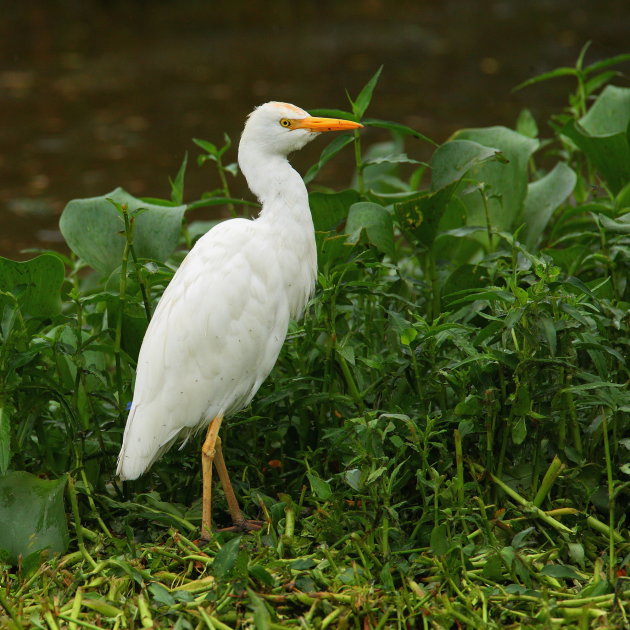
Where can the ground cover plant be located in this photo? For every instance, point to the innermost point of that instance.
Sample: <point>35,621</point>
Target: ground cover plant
<point>444,441</point>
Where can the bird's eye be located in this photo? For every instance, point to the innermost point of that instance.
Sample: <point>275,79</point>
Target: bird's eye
<point>285,122</point>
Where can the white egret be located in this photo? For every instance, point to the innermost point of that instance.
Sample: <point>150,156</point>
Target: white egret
<point>218,329</point>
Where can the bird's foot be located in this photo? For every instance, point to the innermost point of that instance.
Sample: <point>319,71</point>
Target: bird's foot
<point>246,525</point>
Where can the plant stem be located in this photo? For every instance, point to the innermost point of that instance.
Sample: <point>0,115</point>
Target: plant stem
<point>611,500</point>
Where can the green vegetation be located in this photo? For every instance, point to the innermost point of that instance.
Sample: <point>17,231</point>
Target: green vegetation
<point>444,441</point>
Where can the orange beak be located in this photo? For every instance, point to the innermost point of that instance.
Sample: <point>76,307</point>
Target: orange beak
<point>325,124</point>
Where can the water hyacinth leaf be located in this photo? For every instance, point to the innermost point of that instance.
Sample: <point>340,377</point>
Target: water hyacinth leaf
<point>36,284</point>
<point>603,136</point>
<point>377,223</point>
<point>33,515</point>
<point>543,197</point>
<point>504,181</point>
<point>93,229</point>
<point>455,158</point>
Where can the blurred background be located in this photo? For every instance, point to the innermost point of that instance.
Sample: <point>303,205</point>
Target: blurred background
<point>96,94</point>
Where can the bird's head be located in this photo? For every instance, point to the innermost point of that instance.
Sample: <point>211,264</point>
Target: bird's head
<point>281,128</point>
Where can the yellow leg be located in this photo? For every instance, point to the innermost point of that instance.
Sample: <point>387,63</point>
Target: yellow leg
<point>207,457</point>
<point>219,462</point>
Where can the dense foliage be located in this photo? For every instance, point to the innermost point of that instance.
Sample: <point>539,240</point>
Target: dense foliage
<point>444,440</point>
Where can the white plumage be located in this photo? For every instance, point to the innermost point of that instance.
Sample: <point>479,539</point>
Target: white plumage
<point>217,330</point>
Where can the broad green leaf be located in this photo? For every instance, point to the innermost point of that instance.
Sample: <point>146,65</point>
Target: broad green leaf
<point>36,284</point>
<point>93,229</point>
<point>377,223</point>
<point>226,557</point>
<point>543,197</point>
<point>610,113</point>
<point>602,134</point>
<point>504,182</point>
<point>422,215</point>
<point>32,515</point>
<point>330,210</point>
<point>454,159</point>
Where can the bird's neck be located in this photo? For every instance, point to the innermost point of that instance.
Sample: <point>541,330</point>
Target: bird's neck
<point>277,185</point>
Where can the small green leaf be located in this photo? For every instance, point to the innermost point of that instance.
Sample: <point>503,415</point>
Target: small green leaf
<point>362,101</point>
<point>161,594</point>
<point>262,618</point>
<point>439,541</point>
<point>519,431</point>
<point>226,557</point>
<point>320,488</point>
<point>561,571</point>
<point>177,184</point>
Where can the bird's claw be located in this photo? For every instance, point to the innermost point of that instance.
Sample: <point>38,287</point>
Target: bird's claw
<point>246,525</point>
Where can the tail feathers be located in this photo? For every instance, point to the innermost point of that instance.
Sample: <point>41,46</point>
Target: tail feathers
<point>140,448</point>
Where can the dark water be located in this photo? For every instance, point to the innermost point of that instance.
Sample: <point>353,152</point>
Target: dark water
<point>99,94</point>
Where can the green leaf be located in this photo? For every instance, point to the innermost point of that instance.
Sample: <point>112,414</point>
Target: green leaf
<point>454,159</point>
<point>328,154</point>
<point>362,101</point>
<point>561,571</point>
<point>226,557</point>
<point>161,594</point>
<point>545,76</point>
<point>5,436</point>
<point>320,488</point>
<point>36,284</point>
<point>330,210</point>
<point>398,128</point>
<point>602,134</point>
<point>526,124</point>
<point>519,431</point>
<point>439,541</point>
<point>504,183</point>
<point>32,514</point>
<point>377,223</point>
<point>177,184</point>
<point>423,214</point>
<point>262,618</point>
<point>543,197</point>
<point>92,228</point>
